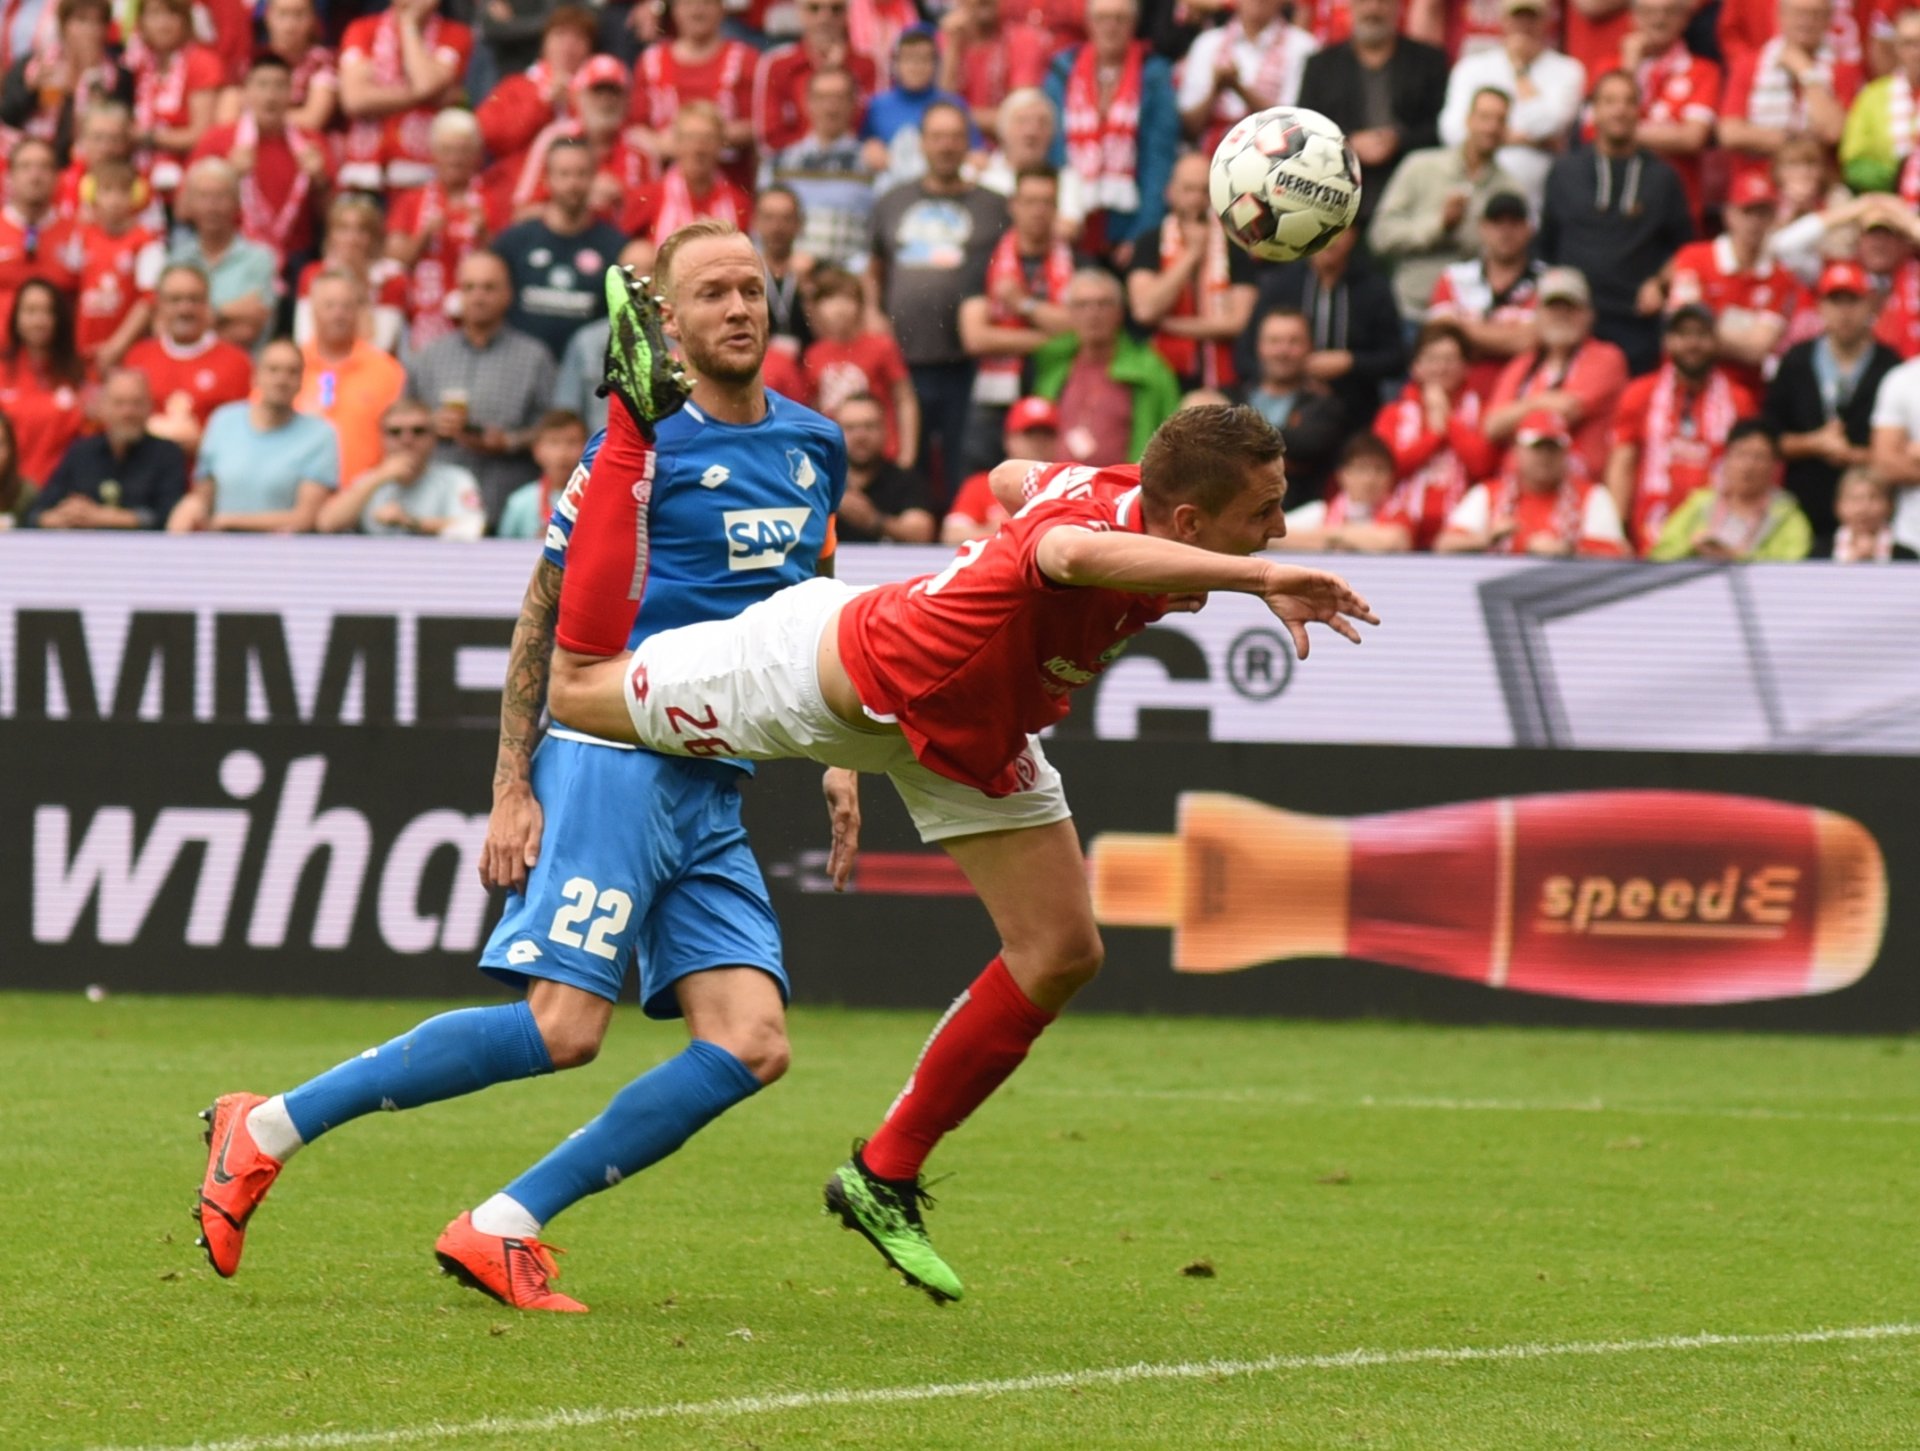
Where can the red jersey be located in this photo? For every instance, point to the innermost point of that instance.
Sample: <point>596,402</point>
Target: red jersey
<point>666,208</point>
<point>973,660</point>
<point>1015,58</point>
<point>1590,41</point>
<point>458,226</point>
<point>276,195</point>
<point>1596,375</point>
<point>28,251</point>
<point>515,112</point>
<point>161,91</point>
<point>115,273</point>
<point>1899,325</point>
<point>1462,292</point>
<point>1675,87</point>
<point>780,93</point>
<point>871,363</point>
<point>201,377</point>
<point>45,418</point>
<point>976,502</point>
<point>391,151</point>
<point>1680,435</point>
<point>663,83</point>
<point>1708,272</point>
<point>1433,469</point>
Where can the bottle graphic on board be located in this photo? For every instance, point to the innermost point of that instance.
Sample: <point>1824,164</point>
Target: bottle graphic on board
<point>1630,896</point>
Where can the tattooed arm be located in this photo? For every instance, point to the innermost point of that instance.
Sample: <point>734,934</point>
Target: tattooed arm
<point>513,829</point>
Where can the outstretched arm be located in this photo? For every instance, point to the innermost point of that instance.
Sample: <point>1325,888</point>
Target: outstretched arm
<point>1143,564</point>
<point>513,828</point>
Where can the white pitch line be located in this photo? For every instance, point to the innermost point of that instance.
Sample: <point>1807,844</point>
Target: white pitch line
<point>1281,1099</point>
<point>586,1417</point>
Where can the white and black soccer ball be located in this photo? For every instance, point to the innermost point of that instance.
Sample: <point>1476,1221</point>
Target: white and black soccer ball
<point>1284,183</point>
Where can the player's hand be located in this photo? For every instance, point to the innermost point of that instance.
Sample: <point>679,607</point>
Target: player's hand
<point>1299,597</point>
<point>842,790</point>
<point>513,838</point>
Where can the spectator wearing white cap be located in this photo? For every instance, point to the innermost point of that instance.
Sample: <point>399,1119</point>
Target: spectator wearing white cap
<point>1546,89</point>
<point>1569,372</point>
<point>1429,217</point>
<point>1543,503</point>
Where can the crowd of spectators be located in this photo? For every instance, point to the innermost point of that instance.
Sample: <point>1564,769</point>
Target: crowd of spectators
<point>1631,277</point>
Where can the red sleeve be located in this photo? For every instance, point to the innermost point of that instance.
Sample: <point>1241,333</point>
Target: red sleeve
<point>606,570</point>
<point>1409,455</point>
<point>1739,87</point>
<point>214,141</point>
<point>1745,403</point>
<point>357,40</point>
<point>1708,80</point>
<point>1598,379</point>
<point>1477,453</point>
<point>511,117</point>
<point>459,39</point>
<point>205,70</point>
<point>232,37</point>
<point>1630,418</point>
<point>1507,388</point>
<point>1741,31</point>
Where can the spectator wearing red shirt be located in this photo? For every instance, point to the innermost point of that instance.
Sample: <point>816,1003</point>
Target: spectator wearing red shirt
<point>189,370</point>
<point>1433,430</point>
<point>42,379</point>
<point>1362,515</point>
<point>397,69</point>
<point>523,105</point>
<point>1493,298</point>
<point>693,185</point>
<point>1543,503</point>
<point>32,238</point>
<point>1672,426</point>
<point>119,262</point>
<point>1679,91</point>
<point>1794,84</point>
<point>176,85</point>
<point>1032,431</point>
<point>293,34</point>
<point>1570,373</point>
<point>699,64</point>
<point>355,239</point>
<point>1746,26</point>
<point>780,80</point>
<point>435,227</point>
<point>46,93</point>
<point>624,170</point>
<point>845,361</point>
<point>1022,305</point>
<point>1194,290</point>
<point>283,169</point>
<point>1595,29</point>
<point>984,59</point>
<point>1739,282</point>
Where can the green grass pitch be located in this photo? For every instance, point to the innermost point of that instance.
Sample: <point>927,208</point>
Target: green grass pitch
<point>1588,1209</point>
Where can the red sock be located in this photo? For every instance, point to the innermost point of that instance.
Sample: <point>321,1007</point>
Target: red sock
<point>982,1039</point>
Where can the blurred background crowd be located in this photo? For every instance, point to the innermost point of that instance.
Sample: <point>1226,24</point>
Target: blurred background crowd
<point>1632,277</point>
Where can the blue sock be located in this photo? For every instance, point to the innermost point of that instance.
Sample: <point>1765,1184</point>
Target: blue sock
<point>647,1120</point>
<point>444,1057</point>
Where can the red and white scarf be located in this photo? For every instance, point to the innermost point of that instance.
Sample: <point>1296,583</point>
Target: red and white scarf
<point>1569,509</point>
<point>1714,411</point>
<point>1206,296</point>
<point>159,94</point>
<point>660,77</point>
<point>1675,63</point>
<point>1777,98</point>
<point>462,228</point>
<point>678,206</point>
<point>1852,548</point>
<point>1103,142</point>
<point>260,221</point>
<point>1903,123</point>
<point>1430,492</point>
<point>997,380</point>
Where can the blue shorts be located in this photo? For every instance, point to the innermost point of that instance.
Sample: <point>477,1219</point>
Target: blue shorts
<point>639,854</point>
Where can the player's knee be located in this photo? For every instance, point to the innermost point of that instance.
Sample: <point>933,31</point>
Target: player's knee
<point>764,1049</point>
<point>571,1044</point>
<point>1074,959</point>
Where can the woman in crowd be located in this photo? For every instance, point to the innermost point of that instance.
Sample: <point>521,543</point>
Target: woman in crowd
<point>176,89</point>
<point>42,380</point>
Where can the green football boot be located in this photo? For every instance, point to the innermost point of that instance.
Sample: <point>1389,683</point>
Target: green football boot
<point>641,370</point>
<point>888,1214</point>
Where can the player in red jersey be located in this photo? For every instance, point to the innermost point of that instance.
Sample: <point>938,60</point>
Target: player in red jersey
<point>940,683</point>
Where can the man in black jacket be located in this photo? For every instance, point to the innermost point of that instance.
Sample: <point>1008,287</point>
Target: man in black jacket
<point>1384,90</point>
<point>123,478</point>
<point>1820,402</point>
<point>1357,340</point>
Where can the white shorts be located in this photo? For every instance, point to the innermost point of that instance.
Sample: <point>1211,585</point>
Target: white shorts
<point>749,688</point>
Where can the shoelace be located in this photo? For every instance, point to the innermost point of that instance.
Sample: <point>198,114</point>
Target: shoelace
<point>545,1268</point>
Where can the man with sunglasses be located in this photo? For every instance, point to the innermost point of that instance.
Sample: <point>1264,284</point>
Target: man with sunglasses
<point>408,491</point>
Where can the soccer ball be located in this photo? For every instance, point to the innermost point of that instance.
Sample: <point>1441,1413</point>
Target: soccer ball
<point>1284,183</point>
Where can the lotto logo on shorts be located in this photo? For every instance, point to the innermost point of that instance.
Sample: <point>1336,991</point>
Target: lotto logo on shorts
<point>762,538</point>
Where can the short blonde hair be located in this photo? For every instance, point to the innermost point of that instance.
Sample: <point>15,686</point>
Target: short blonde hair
<point>699,230</point>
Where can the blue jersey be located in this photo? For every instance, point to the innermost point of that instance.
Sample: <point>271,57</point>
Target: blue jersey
<point>737,512</point>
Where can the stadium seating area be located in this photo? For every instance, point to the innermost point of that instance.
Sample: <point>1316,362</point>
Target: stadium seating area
<point>1631,278</point>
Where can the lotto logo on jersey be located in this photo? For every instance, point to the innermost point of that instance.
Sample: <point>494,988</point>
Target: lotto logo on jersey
<point>762,538</point>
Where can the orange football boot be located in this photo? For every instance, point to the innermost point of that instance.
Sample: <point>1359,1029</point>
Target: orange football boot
<point>238,1177</point>
<point>514,1271</point>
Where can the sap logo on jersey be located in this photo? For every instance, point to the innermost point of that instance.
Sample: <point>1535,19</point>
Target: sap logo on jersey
<point>762,538</point>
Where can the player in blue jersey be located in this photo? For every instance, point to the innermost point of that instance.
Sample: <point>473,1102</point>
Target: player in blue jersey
<point>617,853</point>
